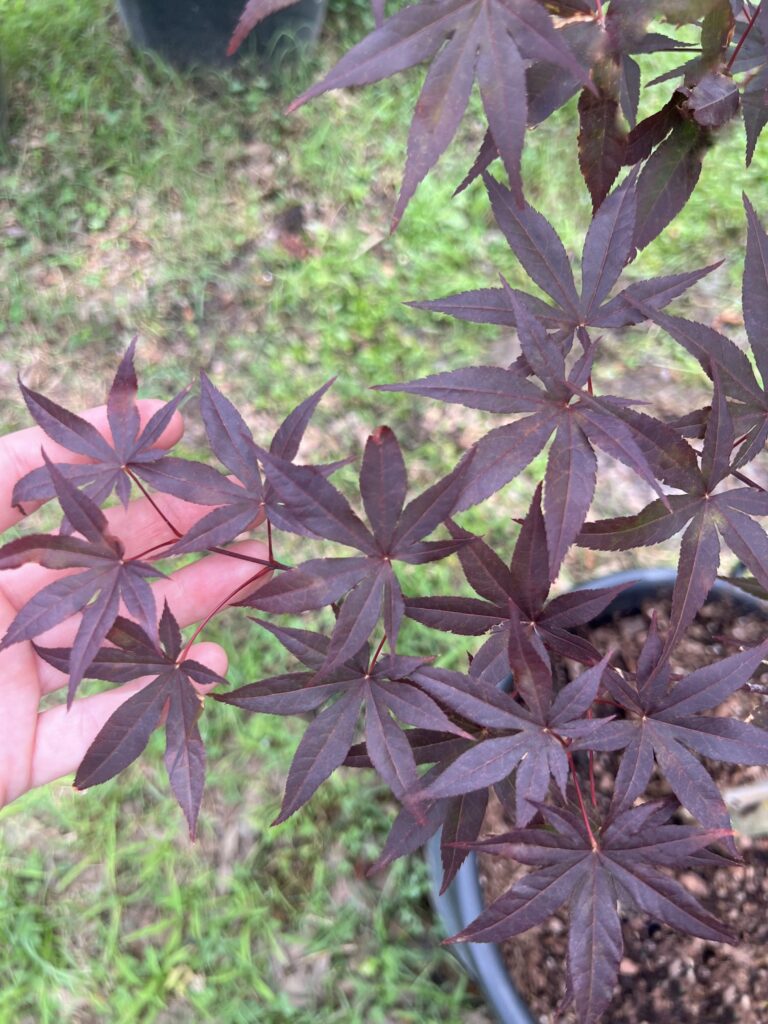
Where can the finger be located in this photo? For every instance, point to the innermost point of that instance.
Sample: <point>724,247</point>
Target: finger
<point>63,737</point>
<point>141,529</point>
<point>19,702</point>
<point>20,451</point>
<point>192,592</point>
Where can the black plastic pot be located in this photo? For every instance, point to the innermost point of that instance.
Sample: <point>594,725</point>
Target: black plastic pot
<point>463,900</point>
<point>187,32</point>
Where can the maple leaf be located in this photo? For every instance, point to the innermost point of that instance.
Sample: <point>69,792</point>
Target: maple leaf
<point>312,506</point>
<point>705,514</point>
<point>682,131</point>
<point>460,818</point>
<point>490,41</point>
<point>751,57</point>
<point>132,452</point>
<point>608,247</point>
<point>592,870</point>
<point>717,23</point>
<point>96,591</point>
<point>754,109</point>
<point>529,740</point>
<point>606,44</point>
<point>378,686</point>
<point>125,734</point>
<point>714,100</point>
<point>254,12</point>
<point>520,591</point>
<point>747,396</point>
<point>748,585</point>
<point>239,504</point>
<point>664,723</point>
<point>671,172</point>
<point>579,421</point>
<point>602,138</point>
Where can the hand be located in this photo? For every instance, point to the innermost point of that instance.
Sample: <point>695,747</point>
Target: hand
<point>37,747</point>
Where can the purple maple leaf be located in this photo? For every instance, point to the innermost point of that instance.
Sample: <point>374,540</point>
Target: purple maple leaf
<point>96,591</point>
<point>311,505</point>
<point>132,452</point>
<point>125,734</point>
<point>591,870</point>
<point>609,246</point>
<point>519,591</point>
<point>532,740</point>
<point>664,724</point>
<point>380,687</point>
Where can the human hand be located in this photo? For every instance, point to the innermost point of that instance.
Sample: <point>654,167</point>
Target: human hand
<point>37,747</point>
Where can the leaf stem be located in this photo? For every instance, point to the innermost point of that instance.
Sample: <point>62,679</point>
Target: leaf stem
<point>580,798</point>
<point>746,480</point>
<point>377,652</point>
<point>744,35</point>
<point>153,503</point>
<point>269,562</point>
<point>222,604</point>
<point>143,554</point>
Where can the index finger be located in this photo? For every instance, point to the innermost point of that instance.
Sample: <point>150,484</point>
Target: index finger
<point>20,451</point>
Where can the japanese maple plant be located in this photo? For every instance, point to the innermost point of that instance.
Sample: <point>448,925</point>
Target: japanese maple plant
<point>443,740</point>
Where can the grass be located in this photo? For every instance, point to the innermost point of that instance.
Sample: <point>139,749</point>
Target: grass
<point>140,200</point>
<point>108,913</point>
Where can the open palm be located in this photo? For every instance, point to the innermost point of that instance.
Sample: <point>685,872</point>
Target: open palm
<point>39,746</point>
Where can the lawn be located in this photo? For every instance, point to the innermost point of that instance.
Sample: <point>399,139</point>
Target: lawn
<point>187,209</point>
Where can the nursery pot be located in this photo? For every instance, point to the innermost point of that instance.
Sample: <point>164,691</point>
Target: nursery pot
<point>199,31</point>
<point>463,901</point>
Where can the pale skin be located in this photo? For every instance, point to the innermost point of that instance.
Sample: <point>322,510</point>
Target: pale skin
<point>37,746</point>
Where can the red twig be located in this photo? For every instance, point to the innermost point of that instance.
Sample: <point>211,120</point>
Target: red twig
<point>377,652</point>
<point>216,610</point>
<point>269,562</point>
<point>153,503</point>
<point>745,33</point>
<point>580,798</point>
<point>143,554</point>
<point>746,480</point>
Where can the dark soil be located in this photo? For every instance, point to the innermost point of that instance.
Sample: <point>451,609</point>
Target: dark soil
<point>665,977</point>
